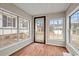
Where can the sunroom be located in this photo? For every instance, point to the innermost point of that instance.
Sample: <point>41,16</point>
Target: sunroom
<point>45,29</point>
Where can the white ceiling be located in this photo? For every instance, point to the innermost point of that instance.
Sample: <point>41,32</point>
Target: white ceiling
<point>42,8</point>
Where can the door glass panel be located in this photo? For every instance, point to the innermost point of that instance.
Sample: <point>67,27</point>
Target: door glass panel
<point>39,30</point>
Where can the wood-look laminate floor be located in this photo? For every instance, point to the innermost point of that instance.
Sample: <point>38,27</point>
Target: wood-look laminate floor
<point>37,49</point>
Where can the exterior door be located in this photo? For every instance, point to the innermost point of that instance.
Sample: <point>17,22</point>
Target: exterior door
<point>39,29</point>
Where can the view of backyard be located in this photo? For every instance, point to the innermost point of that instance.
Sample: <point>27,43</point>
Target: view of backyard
<point>9,33</point>
<point>55,30</point>
<point>39,30</point>
<point>74,29</point>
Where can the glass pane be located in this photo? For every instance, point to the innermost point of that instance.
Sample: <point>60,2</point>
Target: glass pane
<point>23,34</point>
<point>14,22</point>
<point>4,21</point>
<point>10,22</point>
<point>14,34</point>
<point>55,22</point>
<point>22,23</point>
<point>9,34</point>
<point>24,29</point>
<point>14,31</point>
<point>57,34</point>
<point>60,22</point>
<point>74,31</point>
<point>1,38</point>
<point>7,31</point>
<point>39,30</point>
<point>0,20</point>
<point>6,37</point>
<point>55,30</point>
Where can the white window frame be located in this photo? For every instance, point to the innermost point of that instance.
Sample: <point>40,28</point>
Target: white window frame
<point>11,16</point>
<point>70,40</point>
<point>63,29</point>
<point>68,31</point>
<point>24,28</point>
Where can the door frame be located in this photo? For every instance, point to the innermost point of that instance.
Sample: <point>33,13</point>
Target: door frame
<point>44,29</point>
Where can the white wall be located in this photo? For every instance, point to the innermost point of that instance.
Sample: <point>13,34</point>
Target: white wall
<point>49,17</point>
<point>70,10</point>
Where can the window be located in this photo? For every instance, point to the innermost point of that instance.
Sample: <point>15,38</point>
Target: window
<point>0,19</point>
<point>24,29</point>
<point>55,29</point>
<point>14,22</point>
<point>74,29</point>
<point>9,22</point>
<point>4,21</point>
<point>8,29</point>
